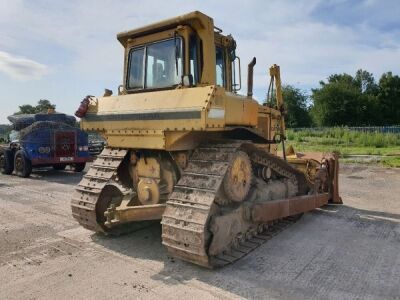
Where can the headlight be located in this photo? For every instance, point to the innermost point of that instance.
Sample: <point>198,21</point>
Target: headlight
<point>83,148</point>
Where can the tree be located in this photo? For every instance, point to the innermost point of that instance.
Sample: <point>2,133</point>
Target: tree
<point>26,109</point>
<point>4,132</point>
<point>42,106</point>
<point>389,98</point>
<point>365,81</point>
<point>346,100</point>
<point>335,103</point>
<point>296,106</point>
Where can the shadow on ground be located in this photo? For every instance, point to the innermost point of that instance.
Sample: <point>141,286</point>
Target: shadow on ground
<point>67,176</point>
<point>2,184</point>
<point>333,252</point>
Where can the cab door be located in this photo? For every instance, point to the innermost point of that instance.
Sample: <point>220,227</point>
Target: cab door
<point>223,64</point>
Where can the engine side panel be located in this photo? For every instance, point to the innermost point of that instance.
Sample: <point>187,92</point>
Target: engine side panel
<point>162,119</point>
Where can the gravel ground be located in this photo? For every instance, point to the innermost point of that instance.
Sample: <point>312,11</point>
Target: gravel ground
<point>348,251</point>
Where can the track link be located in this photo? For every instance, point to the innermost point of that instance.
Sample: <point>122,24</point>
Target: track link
<point>189,207</point>
<point>192,203</point>
<point>103,171</point>
<point>252,242</point>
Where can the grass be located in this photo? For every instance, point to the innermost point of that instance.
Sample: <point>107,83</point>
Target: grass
<point>346,142</point>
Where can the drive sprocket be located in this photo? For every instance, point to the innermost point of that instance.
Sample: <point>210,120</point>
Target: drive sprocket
<point>238,179</point>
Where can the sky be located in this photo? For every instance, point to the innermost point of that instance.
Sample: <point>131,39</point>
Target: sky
<point>65,50</point>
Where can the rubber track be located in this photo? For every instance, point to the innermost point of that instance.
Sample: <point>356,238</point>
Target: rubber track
<point>102,171</point>
<point>190,205</point>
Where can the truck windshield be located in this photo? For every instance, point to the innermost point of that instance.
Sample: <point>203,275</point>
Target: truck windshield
<point>156,65</point>
<point>14,136</point>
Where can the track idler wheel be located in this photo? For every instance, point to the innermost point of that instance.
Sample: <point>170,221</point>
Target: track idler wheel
<point>238,179</point>
<point>111,196</point>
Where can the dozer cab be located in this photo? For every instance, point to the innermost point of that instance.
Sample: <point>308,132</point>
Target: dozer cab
<point>185,148</point>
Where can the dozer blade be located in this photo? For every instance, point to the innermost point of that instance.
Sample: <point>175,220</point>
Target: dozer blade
<point>311,162</point>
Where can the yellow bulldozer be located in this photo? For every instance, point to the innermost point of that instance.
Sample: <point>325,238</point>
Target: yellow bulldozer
<point>185,148</point>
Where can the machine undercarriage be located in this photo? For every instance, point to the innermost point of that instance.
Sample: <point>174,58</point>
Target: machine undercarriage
<point>216,205</point>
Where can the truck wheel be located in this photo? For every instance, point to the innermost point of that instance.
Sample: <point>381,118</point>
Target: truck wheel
<point>79,167</point>
<point>22,165</point>
<point>59,167</point>
<point>6,161</point>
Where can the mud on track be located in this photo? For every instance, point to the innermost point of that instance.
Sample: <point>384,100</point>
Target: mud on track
<point>349,251</point>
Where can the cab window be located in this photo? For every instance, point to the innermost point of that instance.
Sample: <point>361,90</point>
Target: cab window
<point>220,66</point>
<point>156,65</point>
<point>136,69</point>
<point>193,59</point>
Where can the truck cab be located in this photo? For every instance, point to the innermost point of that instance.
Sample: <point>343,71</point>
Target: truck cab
<point>42,140</point>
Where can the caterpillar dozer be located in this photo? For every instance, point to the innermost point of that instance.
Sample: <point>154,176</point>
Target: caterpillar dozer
<point>185,148</point>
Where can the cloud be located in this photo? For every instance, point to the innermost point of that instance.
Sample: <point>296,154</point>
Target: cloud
<point>21,68</point>
<point>309,49</point>
<point>309,39</point>
<point>306,37</point>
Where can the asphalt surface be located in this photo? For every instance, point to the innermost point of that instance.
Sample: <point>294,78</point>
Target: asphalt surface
<point>349,251</point>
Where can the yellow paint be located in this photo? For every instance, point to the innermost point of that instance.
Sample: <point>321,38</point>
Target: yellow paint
<point>136,115</point>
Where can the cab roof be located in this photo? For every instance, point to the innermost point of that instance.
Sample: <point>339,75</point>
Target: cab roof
<point>195,19</point>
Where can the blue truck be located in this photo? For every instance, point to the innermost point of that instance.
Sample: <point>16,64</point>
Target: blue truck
<point>43,140</point>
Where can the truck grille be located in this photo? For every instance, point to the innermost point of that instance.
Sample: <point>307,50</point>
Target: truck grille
<point>65,144</point>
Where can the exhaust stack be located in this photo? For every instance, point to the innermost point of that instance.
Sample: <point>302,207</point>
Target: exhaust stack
<point>250,77</point>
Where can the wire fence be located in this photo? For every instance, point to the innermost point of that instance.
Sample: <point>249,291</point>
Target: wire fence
<point>380,129</point>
